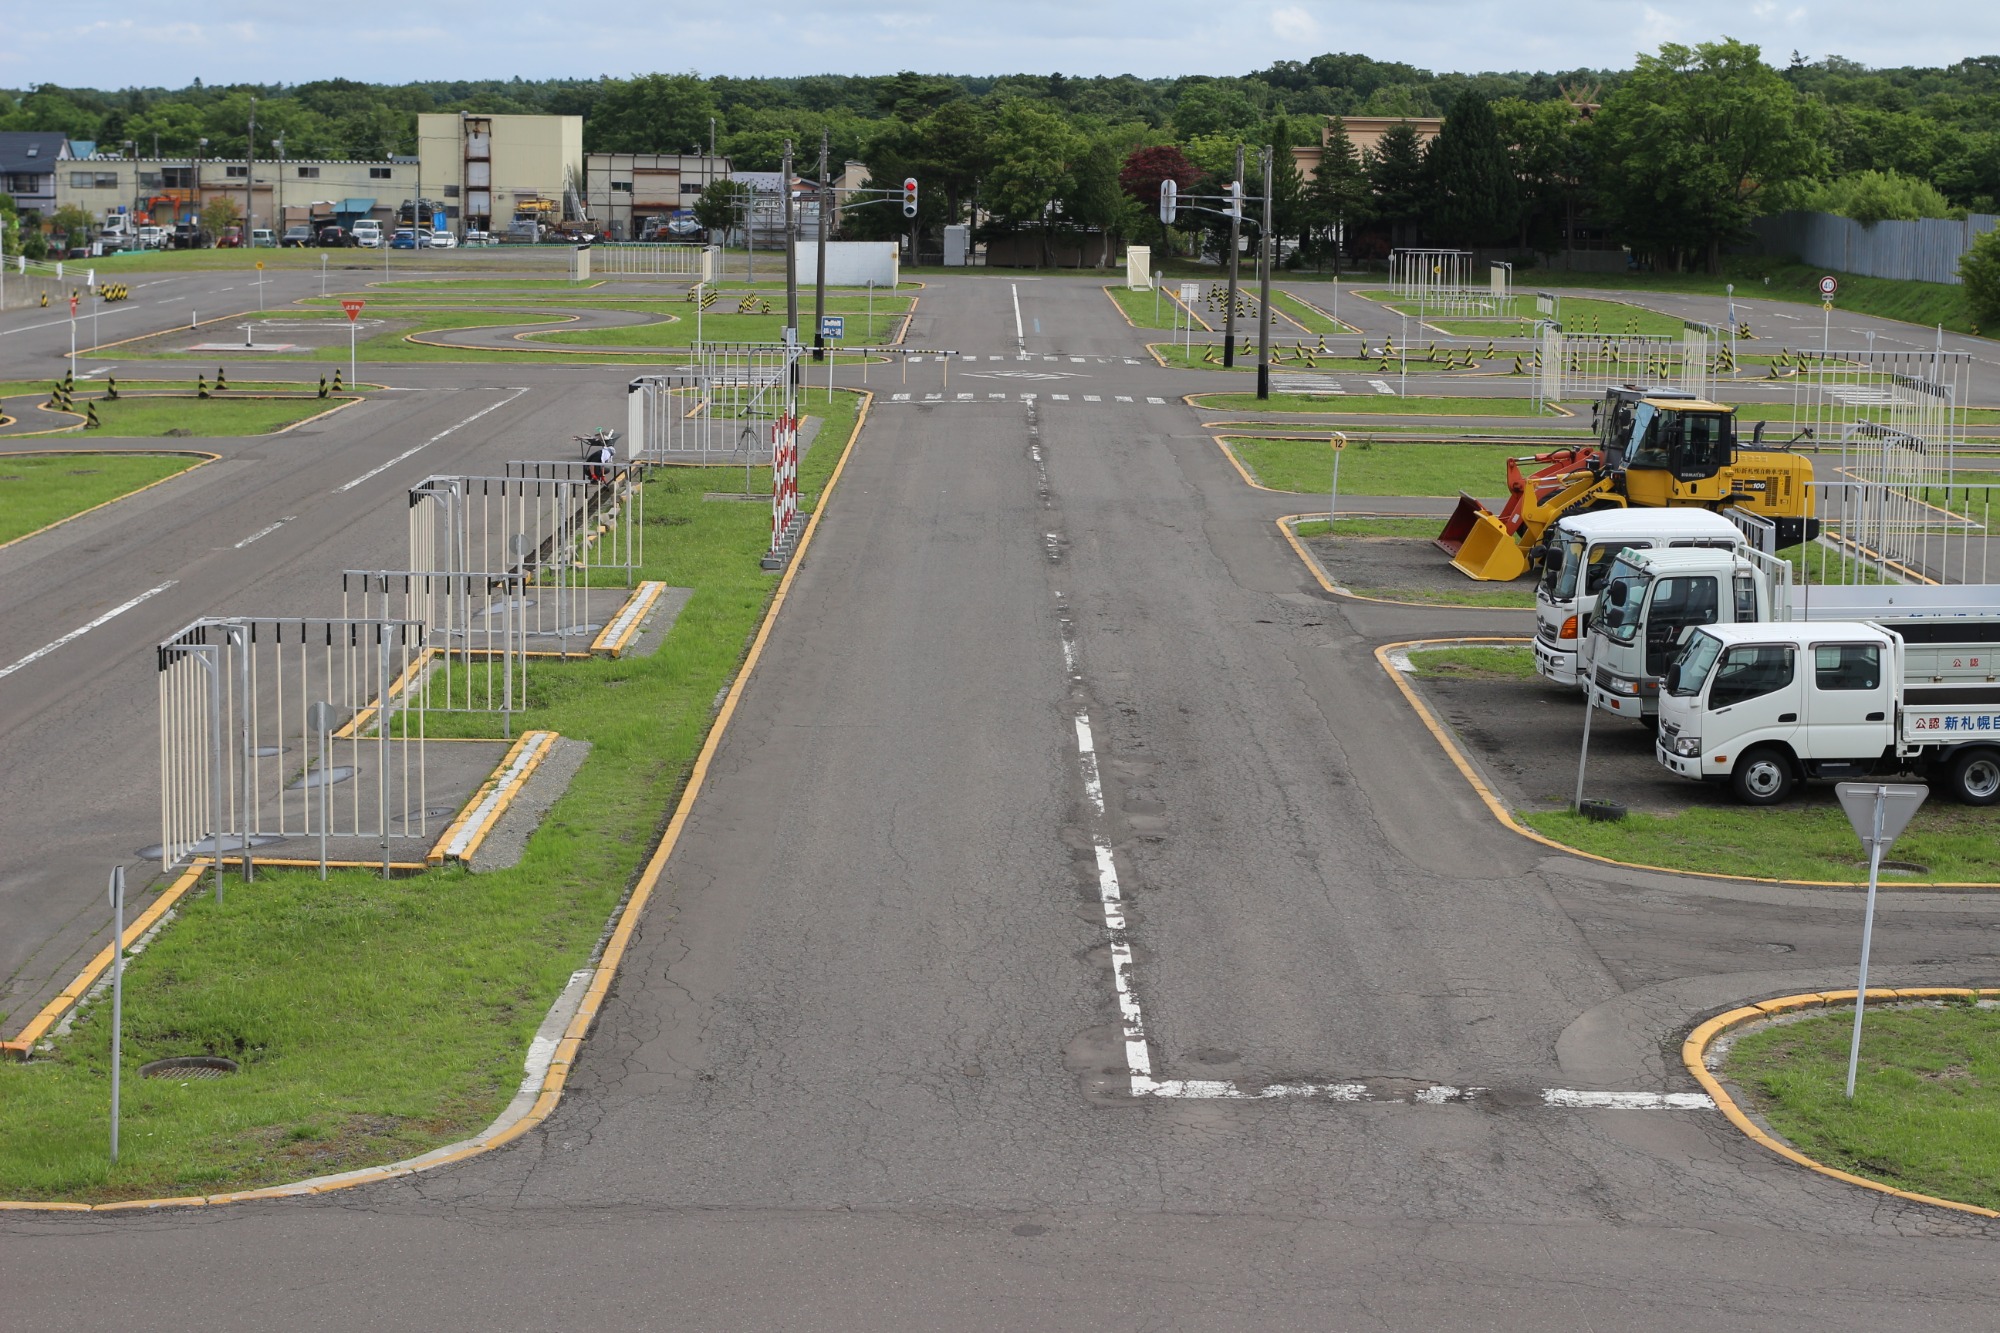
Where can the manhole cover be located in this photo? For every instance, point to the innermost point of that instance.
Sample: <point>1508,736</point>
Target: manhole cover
<point>1898,868</point>
<point>189,1066</point>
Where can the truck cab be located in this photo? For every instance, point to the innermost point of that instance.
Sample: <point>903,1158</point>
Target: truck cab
<point>1650,600</point>
<point>1578,554</point>
<point>1763,707</point>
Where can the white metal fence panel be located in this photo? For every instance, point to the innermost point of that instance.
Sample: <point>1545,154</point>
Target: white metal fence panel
<point>1925,250</point>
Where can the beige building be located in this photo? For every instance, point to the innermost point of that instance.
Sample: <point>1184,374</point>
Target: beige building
<point>1365,132</point>
<point>481,169</point>
<point>273,192</point>
<point>625,189</point>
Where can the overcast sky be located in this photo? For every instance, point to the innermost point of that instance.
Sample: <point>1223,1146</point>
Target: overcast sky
<point>83,42</point>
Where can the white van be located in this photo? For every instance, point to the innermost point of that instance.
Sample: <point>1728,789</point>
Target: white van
<point>1581,551</point>
<point>367,232</point>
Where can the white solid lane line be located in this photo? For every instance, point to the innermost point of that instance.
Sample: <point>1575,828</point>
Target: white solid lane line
<point>412,452</point>
<point>1020,339</point>
<point>78,633</point>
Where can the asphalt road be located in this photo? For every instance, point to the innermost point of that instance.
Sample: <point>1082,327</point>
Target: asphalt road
<point>864,1069</point>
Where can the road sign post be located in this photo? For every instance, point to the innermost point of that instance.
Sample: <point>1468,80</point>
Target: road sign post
<point>1339,442</point>
<point>1879,811</point>
<point>260,285</point>
<point>353,309</point>
<point>1828,285</point>
<point>117,995</point>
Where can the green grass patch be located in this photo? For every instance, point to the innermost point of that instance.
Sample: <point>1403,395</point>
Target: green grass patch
<point>1926,1109</point>
<point>716,326</point>
<point>1149,311</point>
<point>379,1019</point>
<point>39,489</point>
<point>1925,303</point>
<point>1375,467</point>
<point>136,416</point>
<point>1470,662</point>
<point>1793,842</point>
<point>1422,526</point>
<point>1366,404</point>
<point>1305,312</point>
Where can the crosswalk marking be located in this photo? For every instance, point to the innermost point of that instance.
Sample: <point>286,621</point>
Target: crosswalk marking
<point>1157,402</point>
<point>1001,396</point>
<point>1092,398</point>
<point>1383,386</point>
<point>1124,397</point>
<point>933,397</point>
<point>1077,359</point>
<point>1060,397</point>
<point>965,398</point>
<point>899,398</point>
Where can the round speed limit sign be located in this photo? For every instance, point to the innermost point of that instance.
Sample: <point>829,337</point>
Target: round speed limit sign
<point>1828,286</point>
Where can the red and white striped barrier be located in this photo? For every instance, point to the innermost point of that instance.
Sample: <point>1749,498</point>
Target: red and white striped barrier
<point>786,521</point>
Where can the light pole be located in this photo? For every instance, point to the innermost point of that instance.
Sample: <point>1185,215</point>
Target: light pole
<point>278,194</point>
<point>200,147</point>
<point>1264,286</point>
<point>791,253</point>
<point>250,176</point>
<point>1235,231</point>
<point>821,197</point>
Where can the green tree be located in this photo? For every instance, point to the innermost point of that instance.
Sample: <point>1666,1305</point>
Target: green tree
<point>1979,271</point>
<point>1338,196</point>
<point>1870,197</point>
<point>217,215</point>
<point>654,113</point>
<point>1474,193</point>
<point>1145,169</point>
<point>1098,198</point>
<point>1551,162</point>
<point>1213,108</point>
<point>1396,174</point>
<point>1036,155</point>
<point>1694,139</point>
<point>1288,187</point>
<point>720,206</point>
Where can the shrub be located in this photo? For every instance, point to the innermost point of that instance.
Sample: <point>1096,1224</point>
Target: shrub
<point>1979,270</point>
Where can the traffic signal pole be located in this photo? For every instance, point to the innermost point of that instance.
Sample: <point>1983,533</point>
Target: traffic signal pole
<point>825,197</point>
<point>1235,235</point>
<point>1264,254</point>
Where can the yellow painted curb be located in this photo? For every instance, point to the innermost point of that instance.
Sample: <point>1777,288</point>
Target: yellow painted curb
<point>203,458</point>
<point>614,952</point>
<point>38,1026</point>
<point>536,746</point>
<point>1694,1053</point>
<point>646,595</point>
<point>1500,811</point>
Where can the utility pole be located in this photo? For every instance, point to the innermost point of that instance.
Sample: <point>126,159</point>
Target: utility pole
<point>250,175</point>
<point>824,195</point>
<point>1235,234</point>
<point>791,254</point>
<point>1264,254</point>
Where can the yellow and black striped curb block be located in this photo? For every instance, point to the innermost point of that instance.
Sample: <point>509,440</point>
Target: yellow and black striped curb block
<point>1694,1054</point>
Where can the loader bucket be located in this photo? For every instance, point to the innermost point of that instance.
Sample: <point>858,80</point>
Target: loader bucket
<point>1490,553</point>
<point>1461,523</point>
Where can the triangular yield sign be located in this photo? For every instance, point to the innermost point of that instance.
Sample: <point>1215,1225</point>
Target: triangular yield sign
<point>1900,800</point>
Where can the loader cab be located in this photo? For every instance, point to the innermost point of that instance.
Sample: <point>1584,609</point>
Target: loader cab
<point>1690,439</point>
<point>1614,415</point>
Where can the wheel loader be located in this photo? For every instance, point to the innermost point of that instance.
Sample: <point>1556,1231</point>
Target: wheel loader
<point>1656,448</point>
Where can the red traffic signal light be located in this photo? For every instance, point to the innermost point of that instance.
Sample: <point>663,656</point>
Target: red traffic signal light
<point>909,196</point>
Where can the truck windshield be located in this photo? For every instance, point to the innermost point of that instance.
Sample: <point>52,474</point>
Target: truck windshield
<point>1620,616</point>
<point>1696,661</point>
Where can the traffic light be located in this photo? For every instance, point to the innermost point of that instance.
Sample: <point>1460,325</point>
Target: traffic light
<point>909,196</point>
<point>1236,199</point>
<point>1170,204</point>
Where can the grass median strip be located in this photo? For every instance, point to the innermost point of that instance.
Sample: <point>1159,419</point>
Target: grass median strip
<point>1810,843</point>
<point>1375,467</point>
<point>375,1020</point>
<point>1926,1110</point>
<point>1472,662</point>
<point>39,489</point>
<point>1367,404</point>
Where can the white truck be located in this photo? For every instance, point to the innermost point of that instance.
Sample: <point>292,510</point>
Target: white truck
<point>1653,598</point>
<point>1765,706</point>
<point>1580,551</point>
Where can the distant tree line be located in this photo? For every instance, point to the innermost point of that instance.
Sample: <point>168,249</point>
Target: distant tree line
<point>1673,156</point>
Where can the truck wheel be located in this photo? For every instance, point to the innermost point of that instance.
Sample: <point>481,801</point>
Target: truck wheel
<point>1762,777</point>
<point>1975,777</point>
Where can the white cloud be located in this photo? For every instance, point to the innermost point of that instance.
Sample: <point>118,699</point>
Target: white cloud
<point>1294,24</point>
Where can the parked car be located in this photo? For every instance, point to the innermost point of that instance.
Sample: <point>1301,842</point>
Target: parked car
<point>300,235</point>
<point>408,239</point>
<point>263,237</point>
<point>189,236</point>
<point>154,238</point>
<point>474,236</point>
<point>683,229</point>
<point>336,237</point>
<point>231,239</point>
<point>442,240</point>
<point>368,233</point>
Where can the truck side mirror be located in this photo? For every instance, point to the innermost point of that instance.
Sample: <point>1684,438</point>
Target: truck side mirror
<point>1672,683</point>
<point>1615,594</point>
